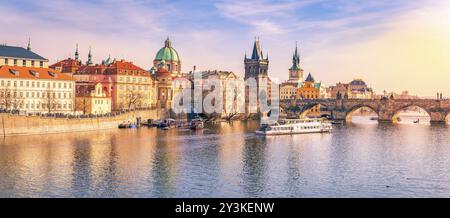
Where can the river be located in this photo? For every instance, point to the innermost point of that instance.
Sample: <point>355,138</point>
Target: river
<point>359,159</point>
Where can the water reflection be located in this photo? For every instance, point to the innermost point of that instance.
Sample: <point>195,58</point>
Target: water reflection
<point>359,159</point>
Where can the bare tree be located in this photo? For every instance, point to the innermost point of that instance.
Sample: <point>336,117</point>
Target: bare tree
<point>6,98</point>
<point>50,100</point>
<point>134,99</point>
<point>16,101</point>
<point>82,104</point>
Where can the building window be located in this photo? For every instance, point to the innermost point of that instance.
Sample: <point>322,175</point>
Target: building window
<point>41,63</point>
<point>6,61</point>
<point>32,63</point>
<point>15,62</point>
<point>24,63</point>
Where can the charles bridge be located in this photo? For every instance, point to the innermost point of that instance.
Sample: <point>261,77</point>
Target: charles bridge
<point>386,108</point>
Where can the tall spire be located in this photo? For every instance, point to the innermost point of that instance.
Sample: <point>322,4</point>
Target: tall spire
<point>257,53</point>
<point>89,61</point>
<point>29,44</point>
<point>295,59</point>
<point>76,53</point>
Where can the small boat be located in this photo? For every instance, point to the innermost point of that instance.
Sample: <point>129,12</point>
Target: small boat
<point>127,125</point>
<point>374,118</point>
<point>337,122</point>
<point>167,124</point>
<point>295,126</point>
<point>399,119</point>
<point>123,126</point>
<point>196,124</point>
<point>416,121</point>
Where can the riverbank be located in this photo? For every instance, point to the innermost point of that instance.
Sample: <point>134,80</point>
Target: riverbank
<point>12,125</point>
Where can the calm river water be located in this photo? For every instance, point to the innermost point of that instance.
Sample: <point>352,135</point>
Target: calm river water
<point>362,159</point>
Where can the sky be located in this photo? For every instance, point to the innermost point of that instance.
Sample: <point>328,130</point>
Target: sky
<point>394,45</point>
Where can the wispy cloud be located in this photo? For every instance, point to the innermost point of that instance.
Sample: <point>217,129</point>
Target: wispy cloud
<point>335,36</point>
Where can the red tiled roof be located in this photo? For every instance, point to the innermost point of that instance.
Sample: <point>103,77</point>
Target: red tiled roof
<point>66,63</point>
<point>26,73</point>
<point>121,67</point>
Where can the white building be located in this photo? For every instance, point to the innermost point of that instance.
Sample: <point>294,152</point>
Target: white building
<point>31,89</point>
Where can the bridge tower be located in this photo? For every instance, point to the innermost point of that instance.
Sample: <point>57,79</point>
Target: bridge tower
<point>256,67</point>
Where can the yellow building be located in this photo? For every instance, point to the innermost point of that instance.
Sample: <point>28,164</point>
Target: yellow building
<point>92,99</point>
<point>129,86</point>
<point>309,90</point>
<point>288,90</point>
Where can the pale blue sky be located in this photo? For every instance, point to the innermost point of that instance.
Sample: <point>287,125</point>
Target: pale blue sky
<point>216,34</point>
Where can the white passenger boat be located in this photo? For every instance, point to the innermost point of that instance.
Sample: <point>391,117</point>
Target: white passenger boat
<point>295,126</point>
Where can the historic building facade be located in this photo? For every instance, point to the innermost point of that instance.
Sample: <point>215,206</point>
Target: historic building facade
<point>29,89</point>
<point>21,57</point>
<point>230,86</point>
<point>257,67</point>
<point>309,89</point>
<point>288,89</point>
<point>356,89</point>
<point>129,86</point>
<point>92,99</point>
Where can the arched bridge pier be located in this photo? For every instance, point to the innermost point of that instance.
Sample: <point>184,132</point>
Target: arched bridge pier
<point>386,109</point>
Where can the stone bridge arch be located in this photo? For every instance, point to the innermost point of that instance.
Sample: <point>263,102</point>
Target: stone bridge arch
<point>401,108</point>
<point>309,106</point>
<point>349,111</point>
<point>386,109</point>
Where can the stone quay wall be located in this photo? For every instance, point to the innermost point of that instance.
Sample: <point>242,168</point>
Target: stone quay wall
<point>12,125</point>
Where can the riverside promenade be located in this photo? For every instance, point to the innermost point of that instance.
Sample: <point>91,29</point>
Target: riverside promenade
<point>12,125</point>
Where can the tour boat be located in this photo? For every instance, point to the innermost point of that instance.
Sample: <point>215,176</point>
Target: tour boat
<point>295,126</point>
<point>196,124</point>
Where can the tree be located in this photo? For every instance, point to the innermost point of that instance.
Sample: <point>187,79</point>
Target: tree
<point>16,101</point>
<point>82,104</point>
<point>50,100</point>
<point>6,98</point>
<point>134,99</point>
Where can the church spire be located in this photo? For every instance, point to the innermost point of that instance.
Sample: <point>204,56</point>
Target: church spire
<point>76,53</point>
<point>295,59</point>
<point>257,52</point>
<point>29,44</point>
<point>89,61</point>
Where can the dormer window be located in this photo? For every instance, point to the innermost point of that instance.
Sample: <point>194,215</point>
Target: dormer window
<point>53,74</point>
<point>14,72</point>
<point>34,73</point>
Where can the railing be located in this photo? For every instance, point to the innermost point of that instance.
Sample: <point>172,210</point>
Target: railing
<point>70,116</point>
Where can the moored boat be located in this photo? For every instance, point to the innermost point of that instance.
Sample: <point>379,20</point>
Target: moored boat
<point>196,124</point>
<point>295,126</point>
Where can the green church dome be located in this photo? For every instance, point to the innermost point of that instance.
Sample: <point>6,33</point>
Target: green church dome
<point>167,53</point>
